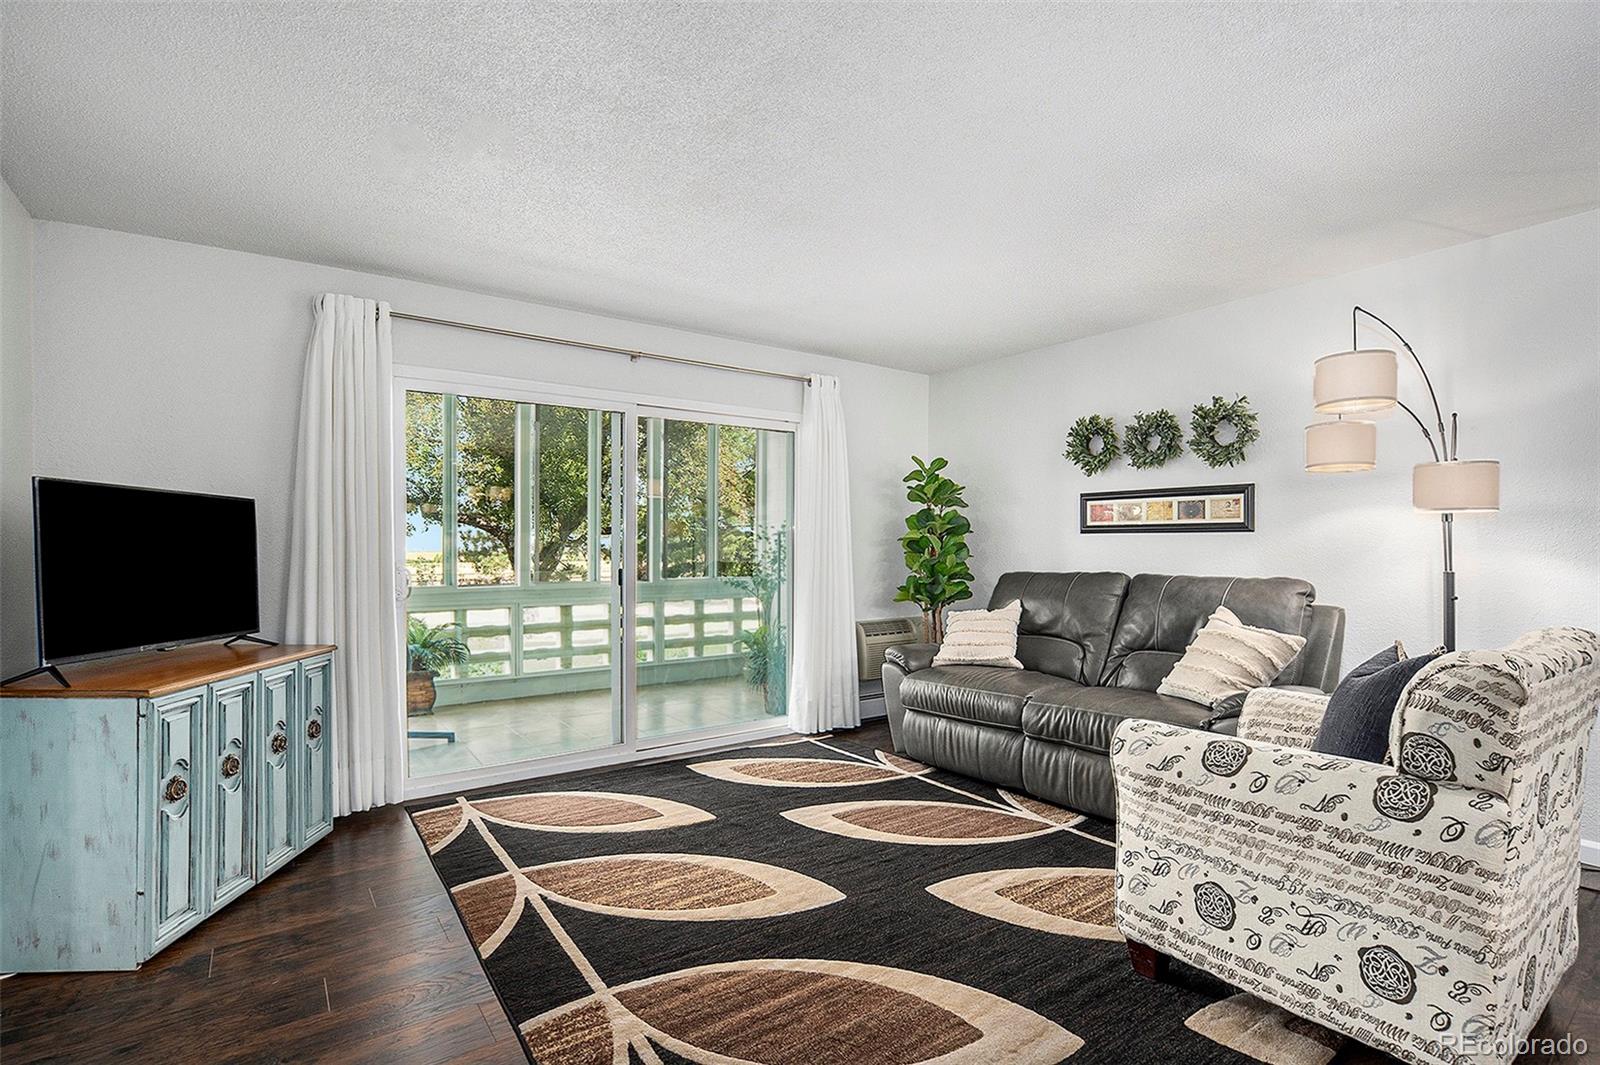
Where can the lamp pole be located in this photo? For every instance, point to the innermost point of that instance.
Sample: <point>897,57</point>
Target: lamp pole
<point>1443,451</point>
<point>1449,583</point>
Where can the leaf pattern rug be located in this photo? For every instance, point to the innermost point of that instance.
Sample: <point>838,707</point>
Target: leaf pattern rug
<point>818,902</point>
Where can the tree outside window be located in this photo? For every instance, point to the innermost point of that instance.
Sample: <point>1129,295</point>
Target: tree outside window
<point>475,439</point>
<point>486,477</point>
<point>736,501</point>
<point>425,449</point>
<point>561,519</point>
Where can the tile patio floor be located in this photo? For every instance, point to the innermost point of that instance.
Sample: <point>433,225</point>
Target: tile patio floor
<point>508,730</point>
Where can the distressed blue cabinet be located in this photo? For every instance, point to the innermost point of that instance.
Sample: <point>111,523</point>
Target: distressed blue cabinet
<point>277,764</point>
<point>231,753</point>
<point>176,895</point>
<point>153,792</point>
<point>316,818</point>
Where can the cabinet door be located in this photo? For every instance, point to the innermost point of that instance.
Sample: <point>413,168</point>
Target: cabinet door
<point>276,759</point>
<point>232,815</point>
<point>316,735</point>
<point>176,890</point>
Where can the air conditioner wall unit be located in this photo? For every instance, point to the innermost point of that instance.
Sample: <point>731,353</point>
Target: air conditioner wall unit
<point>873,638</point>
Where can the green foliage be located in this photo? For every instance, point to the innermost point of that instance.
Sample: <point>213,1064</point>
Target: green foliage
<point>1208,418</point>
<point>765,647</point>
<point>685,449</point>
<point>765,659</point>
<point>1153,439</point>
<point>769,571</point>
<point>754,646</point>
<point>736,499</point>
<point>486,451</point>
<point>561,544</point>
<point>487,493</point>
<point>686,462</point>
<point>1080,450</point>
<point>935,545</point>
<point>433,649</point>
<point>424,460</point>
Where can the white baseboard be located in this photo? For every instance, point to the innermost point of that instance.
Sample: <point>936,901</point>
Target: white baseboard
<point>1589,853</point>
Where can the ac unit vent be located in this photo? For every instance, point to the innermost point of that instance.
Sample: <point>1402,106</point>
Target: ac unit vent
<point>875,637</point>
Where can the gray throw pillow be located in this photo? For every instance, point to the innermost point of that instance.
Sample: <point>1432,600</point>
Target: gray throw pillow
<point>1356,723</point>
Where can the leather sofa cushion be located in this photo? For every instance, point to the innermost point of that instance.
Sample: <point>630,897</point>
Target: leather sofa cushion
<point>1086,717</point>
<point>1161,615</point>
<point>1067,619</point>
<point>1066,776</point>
<point>983,752</point>
<point>988,695</point>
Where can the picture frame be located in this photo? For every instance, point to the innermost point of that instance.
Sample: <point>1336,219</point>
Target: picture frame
<point>1201,508</point>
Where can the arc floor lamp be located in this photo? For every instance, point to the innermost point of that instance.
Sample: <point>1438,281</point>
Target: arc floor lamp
<point>1366,381</point>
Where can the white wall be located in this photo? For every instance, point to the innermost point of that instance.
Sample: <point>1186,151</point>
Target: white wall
<point>175,365</point>
<point>18,649</point>
<point>170,364</point>
<point>1507,327</point>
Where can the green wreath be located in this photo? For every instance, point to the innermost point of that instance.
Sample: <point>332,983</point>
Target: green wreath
<point>1154,439</point>
<point>1080,443</point>
<point>1209,417</point>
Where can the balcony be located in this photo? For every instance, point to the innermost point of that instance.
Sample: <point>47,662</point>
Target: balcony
<point>539,679</point>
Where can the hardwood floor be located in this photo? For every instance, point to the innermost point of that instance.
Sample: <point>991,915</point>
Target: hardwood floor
<point>353,954</point>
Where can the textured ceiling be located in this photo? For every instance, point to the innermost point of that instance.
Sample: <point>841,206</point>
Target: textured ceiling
<point>917,185</point>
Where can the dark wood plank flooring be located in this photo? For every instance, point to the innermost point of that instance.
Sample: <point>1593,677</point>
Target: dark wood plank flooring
<point>354,954</point>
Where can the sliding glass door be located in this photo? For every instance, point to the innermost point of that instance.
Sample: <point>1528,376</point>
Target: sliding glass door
<point>531,528</point>
<point>713,574</point>
<point>511,523</point>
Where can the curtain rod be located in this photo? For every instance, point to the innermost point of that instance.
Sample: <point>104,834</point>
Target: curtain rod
<point>631,353</point>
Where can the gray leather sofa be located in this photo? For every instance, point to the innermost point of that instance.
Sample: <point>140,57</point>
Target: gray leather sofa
<point>1093,646</point>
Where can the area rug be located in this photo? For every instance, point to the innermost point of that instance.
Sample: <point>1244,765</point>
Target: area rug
<point>818,902</point>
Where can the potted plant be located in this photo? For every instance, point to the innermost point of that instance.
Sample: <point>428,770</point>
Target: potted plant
<point>935,543</point>
<point>765,647</point>
<point>430,650</point>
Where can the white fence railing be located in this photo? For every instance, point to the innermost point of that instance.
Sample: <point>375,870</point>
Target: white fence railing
<point>559,637</point>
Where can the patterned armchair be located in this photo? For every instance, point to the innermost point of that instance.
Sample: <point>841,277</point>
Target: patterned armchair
<point>1425,907</point>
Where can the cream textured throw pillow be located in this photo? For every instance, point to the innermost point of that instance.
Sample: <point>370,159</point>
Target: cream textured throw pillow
<point>1228,657</point>
<point>981,637</point>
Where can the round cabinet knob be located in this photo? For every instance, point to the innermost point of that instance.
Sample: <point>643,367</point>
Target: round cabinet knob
<point>280,742</point>
<point>230,766</point>
<point>176,789</point>
<point>313,730</point>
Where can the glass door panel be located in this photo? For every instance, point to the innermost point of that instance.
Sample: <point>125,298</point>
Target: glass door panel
<point>513,519</point>
<point>484,453</point>
<point>712,615</point>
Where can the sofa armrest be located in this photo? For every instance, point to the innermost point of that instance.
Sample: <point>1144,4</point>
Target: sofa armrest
<point>898,662</point>
<point>1289,716</point>
<point>911,657</point>
<point>1347,892</point>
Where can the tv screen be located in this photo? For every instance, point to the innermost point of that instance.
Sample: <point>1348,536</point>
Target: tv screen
<point>122,568</point>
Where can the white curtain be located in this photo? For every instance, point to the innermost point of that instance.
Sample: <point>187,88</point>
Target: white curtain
<point>343,565</point>
<point>823,693</point>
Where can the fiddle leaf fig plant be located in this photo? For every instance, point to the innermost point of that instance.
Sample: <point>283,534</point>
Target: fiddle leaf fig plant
<point>935,543</point>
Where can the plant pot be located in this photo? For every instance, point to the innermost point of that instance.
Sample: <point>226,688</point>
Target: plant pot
<point>420,693</point>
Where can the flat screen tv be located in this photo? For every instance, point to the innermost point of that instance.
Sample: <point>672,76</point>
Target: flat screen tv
<point>127,569</point>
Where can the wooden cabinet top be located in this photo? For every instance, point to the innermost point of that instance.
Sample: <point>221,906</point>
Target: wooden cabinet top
<point>156,673</point>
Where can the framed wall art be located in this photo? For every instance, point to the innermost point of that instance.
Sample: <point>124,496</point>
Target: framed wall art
<point>1206,508</point>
